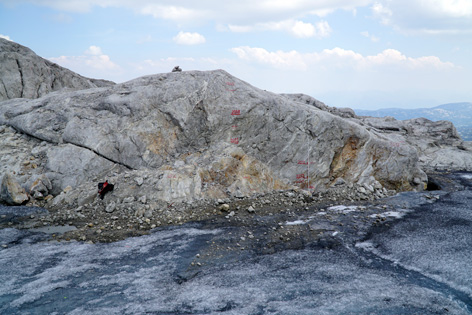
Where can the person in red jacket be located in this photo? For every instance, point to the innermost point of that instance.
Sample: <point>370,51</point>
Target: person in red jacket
<point>105,187</point>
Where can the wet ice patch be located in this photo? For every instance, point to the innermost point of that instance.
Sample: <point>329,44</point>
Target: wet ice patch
<point>31,273</point>
<point>343,209</point>
<point>296,222</point>
<point>391,214</point>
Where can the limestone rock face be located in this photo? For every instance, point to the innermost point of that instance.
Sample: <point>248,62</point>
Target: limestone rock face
<point>11,192</point>
<point>205,135</point>
<point>438,144</point>
<point>23,74</point>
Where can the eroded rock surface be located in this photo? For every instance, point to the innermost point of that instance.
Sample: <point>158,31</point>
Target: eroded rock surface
<point>438,143</point>
<point>23,74</point>
<point>204,135</point>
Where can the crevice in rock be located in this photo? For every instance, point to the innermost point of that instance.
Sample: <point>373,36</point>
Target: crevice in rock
<point>5,89</point>
<point>21,77</point>
<point>432,185</point>
<point>76,144</point>
<point>101,155</point>
<point>38,90</point>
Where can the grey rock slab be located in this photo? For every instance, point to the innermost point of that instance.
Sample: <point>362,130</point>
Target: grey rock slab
<point>244,140</point>
<point>26,75</point>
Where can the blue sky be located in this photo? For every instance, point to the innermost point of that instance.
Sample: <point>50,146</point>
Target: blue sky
<point>347,53</point>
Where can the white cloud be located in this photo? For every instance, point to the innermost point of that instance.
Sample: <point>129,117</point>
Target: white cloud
<point>338,58</point>
<point>241,13</point>
<point>305,30</point>
<point>426,16</point>
<point>383,13</point>
<point>296,28</point>
<point>186,38</point>
<point>93,63</point>
<point>278,59</point>
<point>94,51</point>
<point>370,36</point>
<point>451,8</point>
<point>5,37</point>
<point>171,12</point>
<point>343,77</point>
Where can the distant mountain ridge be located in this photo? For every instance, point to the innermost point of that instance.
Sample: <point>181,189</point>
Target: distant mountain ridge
<point>460,114</point>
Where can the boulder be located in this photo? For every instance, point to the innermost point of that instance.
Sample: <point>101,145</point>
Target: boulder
<point>11,192</point>
<point>40,187</point>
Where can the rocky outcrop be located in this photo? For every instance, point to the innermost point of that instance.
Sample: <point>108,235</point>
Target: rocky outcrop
<point>11,192</point>
<point>344,112</point>
<point>23,74</point>
<point>438,144</point>
<point>193,135</point>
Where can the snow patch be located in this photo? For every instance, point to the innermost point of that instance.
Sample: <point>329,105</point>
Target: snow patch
<point>297,222</point>
<point>343,209</point>
<point>392,214</point>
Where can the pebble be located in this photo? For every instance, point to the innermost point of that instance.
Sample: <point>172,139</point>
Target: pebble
<point>128,199</point>
<point>139,181</point>
<point>110,207</point>
<point>251,209</point>
<point>224,207</point>
<point>143,199</point>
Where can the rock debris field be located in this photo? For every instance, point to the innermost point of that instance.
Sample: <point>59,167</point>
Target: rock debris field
<point>405,254</point>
